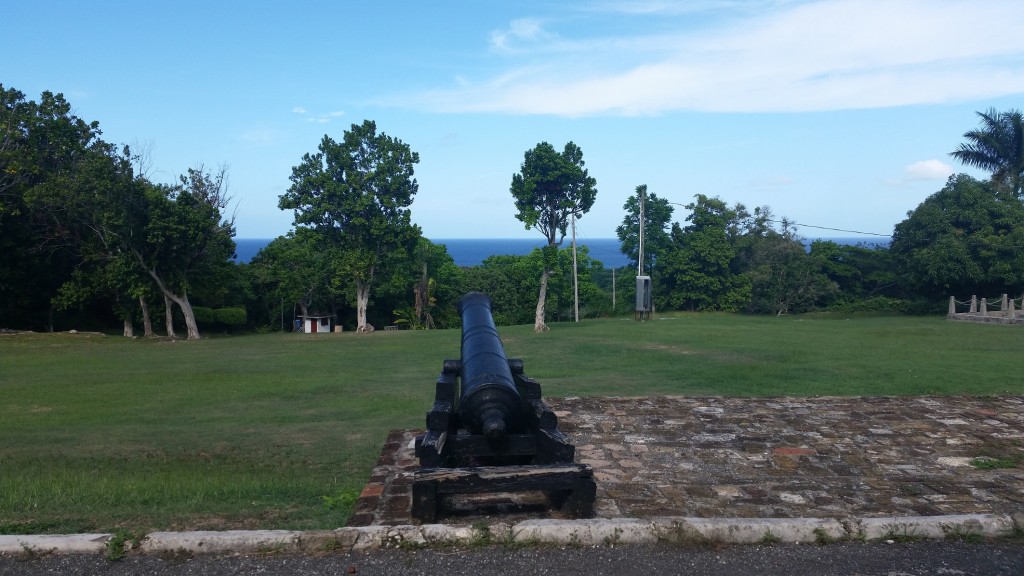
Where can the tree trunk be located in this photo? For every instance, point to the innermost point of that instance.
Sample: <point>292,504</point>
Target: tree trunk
<point>181,301</point>
<point>169,316</point>
<point>362,301</point>
<point>421,297</point>
<point>190,317</point>
<point>147,322</point>
<point>538,322</point>
<point>186,310</point>
<point>129,330</point>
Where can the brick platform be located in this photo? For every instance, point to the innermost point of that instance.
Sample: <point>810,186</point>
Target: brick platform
<point>767,458</point>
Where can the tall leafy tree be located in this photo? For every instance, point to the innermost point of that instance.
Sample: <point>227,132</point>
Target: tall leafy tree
<point>962,240</point>
<point>181,239</point>
<point>860,272</point>
<point>357,193</point>
<point>435,293</point>
<point>297,270</point>
<point>697,272</point>
<point>43,147</point>
<point>784,278</point>
<point>550,189</point>
<point>657,223</point>
<point>997,146</point>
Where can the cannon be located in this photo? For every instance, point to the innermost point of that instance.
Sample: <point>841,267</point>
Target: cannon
<point>490,431</point>
<point>489,402</point>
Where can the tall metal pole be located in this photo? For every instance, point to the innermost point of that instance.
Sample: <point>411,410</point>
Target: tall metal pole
<point>575,278</point>
<point>640,257</point>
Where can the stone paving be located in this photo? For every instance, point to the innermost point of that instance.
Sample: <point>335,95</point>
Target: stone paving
<point>714,457</point>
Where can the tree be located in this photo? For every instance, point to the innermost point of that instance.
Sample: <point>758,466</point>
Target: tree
<point>657,222</point>
<point>70,200</point>
<point>43,147</point>
<point>550,190</point>
<point>697,270</point>
<point>784,278</point>
<point>962,240</point>
<point>997,146</point>
<point>593,300</point>
<point>509,281</point>
<point>297,270</point>
<point>863,273</point>
<point>180,239</point>
<point>357,193</point>
<point>436,292</point>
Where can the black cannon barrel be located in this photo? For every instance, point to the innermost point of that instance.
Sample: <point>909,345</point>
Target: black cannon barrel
<point>489,402</point>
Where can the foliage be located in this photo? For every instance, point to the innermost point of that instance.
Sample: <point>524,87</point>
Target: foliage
<point>696,273</point>
<point>355,194</point>
<point>657,222</point>
<point>86,238</point>
<point>962,240</point>
<point>997,146</point>
<point>499,278</point>
<point>550,190</point>
<point>509,281</point>
<point>299,270</point>
<point>42,148</point>
<point>72,201</point>
<point>784,278</point>
<point>233,316</point>
<point>180,240</point>
<point>858,272</point>
<point>204,315</point>
<point>990,463</point>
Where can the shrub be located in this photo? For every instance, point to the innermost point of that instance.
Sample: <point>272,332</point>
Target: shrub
<point>204,315</point>
<point>235,316</point>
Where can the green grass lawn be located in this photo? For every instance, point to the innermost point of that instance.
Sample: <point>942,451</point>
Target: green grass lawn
<point>281,430</point>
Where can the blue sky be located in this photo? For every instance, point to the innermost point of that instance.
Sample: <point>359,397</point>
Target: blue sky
<point>835,113</point>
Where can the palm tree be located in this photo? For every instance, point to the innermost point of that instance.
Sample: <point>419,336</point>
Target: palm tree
<point>997,146</point>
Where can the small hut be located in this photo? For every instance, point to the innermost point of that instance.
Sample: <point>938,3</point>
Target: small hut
<point>316,324</point>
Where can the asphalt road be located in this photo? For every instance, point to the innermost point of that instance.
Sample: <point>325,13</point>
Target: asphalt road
<point>849,559</point>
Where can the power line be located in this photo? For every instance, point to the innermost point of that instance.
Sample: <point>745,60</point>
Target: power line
<point>790,222</point>
<point>832,229</point>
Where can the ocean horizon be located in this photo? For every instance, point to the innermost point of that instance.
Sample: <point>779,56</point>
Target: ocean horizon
<point>473,251</point>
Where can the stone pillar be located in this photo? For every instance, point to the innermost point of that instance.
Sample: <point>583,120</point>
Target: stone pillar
<point>1002,305</point>
<point>984,307</point>
<point>974,305</point>
<point>952,306</point>
<point>1013,312</point>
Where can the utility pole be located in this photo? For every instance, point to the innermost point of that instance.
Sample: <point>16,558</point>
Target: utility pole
<point>640,256</point>
<point>575,277</point>
<point>643,307</point>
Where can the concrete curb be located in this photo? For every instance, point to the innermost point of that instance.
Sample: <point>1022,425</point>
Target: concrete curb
<point>593,532</point>
<point>55,543</point>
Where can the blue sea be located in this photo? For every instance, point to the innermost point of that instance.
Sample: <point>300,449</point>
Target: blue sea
<point>473,251</point>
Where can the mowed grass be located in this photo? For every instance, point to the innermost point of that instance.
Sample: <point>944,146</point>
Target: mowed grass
<point>282,430</point>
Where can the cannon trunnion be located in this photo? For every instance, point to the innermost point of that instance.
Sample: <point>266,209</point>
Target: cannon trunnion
<point>489,430</point>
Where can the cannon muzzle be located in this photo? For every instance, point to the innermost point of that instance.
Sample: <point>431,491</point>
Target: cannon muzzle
<point>489,402</point>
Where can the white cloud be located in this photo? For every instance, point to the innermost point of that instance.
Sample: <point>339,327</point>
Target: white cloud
<point>319,118</point>
<point>521,30</point>
<point>260,136</point>
<point>928,170</point>
<point>823,55</point>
